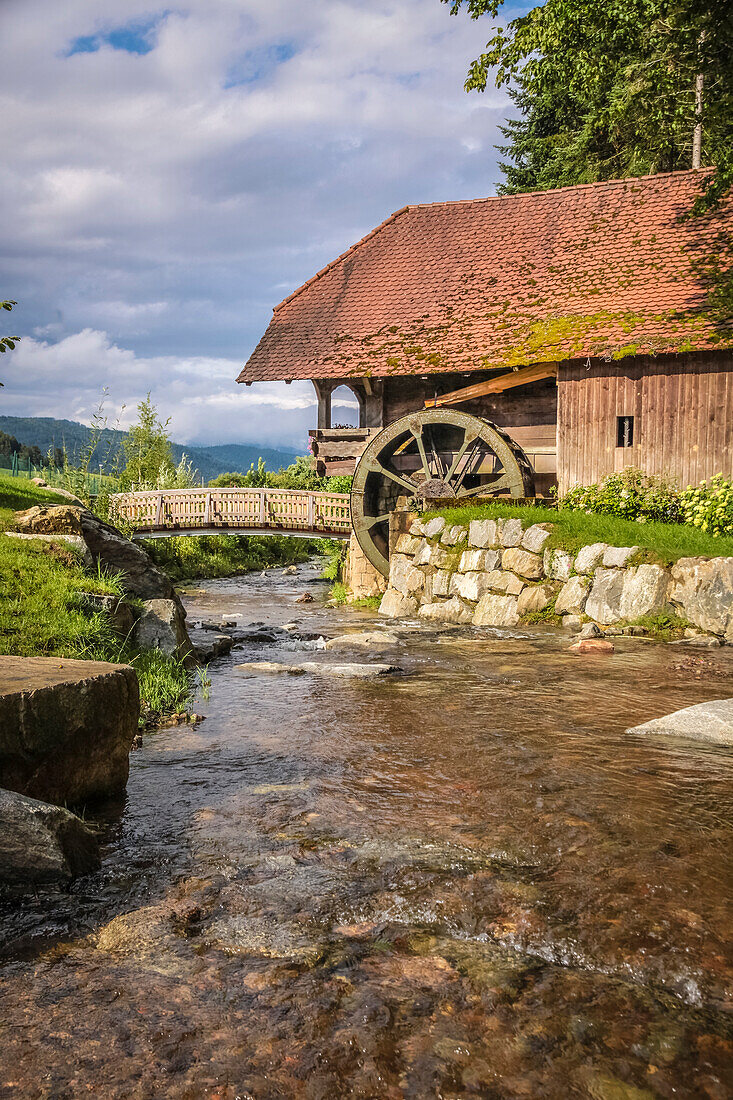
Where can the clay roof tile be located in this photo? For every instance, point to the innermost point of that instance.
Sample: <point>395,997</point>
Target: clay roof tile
<point>505,281</point>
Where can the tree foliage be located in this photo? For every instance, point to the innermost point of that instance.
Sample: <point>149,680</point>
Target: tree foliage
<point>148,455</point>
<point>300,474</point>
<point>7,343</point>
<point>9,446</point>
<point>606,89</point>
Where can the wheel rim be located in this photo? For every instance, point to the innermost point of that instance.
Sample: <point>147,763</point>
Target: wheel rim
<point>430,454</point>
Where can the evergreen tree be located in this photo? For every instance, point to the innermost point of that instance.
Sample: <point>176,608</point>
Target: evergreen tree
<point>611,88</point>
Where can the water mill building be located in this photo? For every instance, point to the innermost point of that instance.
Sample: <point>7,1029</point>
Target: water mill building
<point>588,323</point>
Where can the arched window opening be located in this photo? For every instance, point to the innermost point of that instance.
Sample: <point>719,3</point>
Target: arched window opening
<point>347,408</point>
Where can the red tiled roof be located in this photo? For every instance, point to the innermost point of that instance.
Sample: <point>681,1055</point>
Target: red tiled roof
<point>600,269</point>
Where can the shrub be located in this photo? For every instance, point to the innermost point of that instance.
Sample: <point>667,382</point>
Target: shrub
<point>301,474</point>
<point>709,506</point>
<point>632,494</point>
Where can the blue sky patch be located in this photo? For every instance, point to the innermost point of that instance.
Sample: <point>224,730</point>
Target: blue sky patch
<point>136,37</point>
<point>257,64</point>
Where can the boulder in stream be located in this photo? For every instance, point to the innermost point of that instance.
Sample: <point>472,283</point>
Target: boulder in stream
<point>40,843</point>
<point>711,721</point>
<point>350,671</point>
<point>366,639</point>
<point>66,727</point>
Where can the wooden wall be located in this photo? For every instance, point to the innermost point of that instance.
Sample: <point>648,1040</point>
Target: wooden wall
<point>683,417</point>
<point>527,413</point>
<point>525,406</point>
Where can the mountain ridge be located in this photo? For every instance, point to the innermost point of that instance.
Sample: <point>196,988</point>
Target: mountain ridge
<point>47,432</point>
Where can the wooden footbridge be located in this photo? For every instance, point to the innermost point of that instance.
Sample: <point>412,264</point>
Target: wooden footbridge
<point>164,513</point>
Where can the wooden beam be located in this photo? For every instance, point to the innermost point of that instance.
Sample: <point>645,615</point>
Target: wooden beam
<point>495,385</point>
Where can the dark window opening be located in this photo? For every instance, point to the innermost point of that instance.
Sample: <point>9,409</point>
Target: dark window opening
<point>624,431</point>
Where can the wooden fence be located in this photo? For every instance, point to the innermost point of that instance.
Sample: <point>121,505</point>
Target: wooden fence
<point>211,511</point>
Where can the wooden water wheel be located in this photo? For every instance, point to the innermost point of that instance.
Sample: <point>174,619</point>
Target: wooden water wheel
<point>432,454</point>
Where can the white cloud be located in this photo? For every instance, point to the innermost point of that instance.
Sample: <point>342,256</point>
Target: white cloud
<point>69,379</point>
<point>156,205</point>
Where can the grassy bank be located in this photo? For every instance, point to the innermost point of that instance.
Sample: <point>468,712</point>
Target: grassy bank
<point>663,542</point>
<point>42,612</point>
<point>189,558</point>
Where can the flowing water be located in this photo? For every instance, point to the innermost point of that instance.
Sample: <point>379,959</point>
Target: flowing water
<point>465,880</point>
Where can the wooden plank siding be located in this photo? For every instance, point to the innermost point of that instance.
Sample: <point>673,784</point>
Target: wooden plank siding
<point>683,417</point>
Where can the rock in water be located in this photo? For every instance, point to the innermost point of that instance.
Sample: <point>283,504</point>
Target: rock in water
<point>350,671</point>
<point>161,626</point>
<point>305,598</point>
<point>42,843</point>
<point>66,727</point>
<point>592,645</point>
<point>371,639</point>
<point>347,671</point>
<point>712,721</point>
<point>270,666</point>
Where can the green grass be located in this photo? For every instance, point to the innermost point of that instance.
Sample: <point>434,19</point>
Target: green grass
<point>188,558</point>
<point>339,593</point>
<point>41,613</point>
<point>17,494</point>
<point>663,542</point>
<point>664,626</point>
<point>165,684</point>
<point>546,615</point>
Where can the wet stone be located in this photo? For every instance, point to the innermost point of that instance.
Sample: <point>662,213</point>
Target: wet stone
<point>450,611</point>
<point>396,605</point>
<point>496,611</point>
<point>572,596</point>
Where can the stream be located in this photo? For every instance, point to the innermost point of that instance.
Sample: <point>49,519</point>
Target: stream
<point>462,879</point>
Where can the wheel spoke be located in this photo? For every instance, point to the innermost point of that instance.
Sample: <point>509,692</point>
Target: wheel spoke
<point>467,440</point>
<point>376,467</point>
<point>489,488</point>
<point>421,448</point>
<point>371,521</point>
<point>468,464</point>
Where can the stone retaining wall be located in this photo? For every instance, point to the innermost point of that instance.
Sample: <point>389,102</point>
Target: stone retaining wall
<point>360,576</point>
<point>500,573</point>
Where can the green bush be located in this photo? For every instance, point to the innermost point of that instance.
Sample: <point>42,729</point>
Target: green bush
<point>709,506</point>
<point>632,494</point>
<point>301,474</point>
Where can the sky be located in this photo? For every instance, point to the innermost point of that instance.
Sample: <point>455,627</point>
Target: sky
<point>170,173</point>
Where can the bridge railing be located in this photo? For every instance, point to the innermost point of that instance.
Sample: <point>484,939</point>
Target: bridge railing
<point>255,509</point>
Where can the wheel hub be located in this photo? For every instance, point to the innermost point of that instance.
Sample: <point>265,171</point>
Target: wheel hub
<point>434,489</point>
<point>431,454</point>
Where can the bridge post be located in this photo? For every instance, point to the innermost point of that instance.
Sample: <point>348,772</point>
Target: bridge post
<point>311,510</point>
<point>263,516</point>
<point>207,509</point>
<point>159,511</point>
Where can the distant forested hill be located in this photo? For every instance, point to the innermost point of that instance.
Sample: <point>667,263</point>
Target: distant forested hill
<point>47,433</point>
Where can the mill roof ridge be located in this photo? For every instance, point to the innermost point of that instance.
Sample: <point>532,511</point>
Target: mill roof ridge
<point>519,195</point>
<point>613,268</point>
